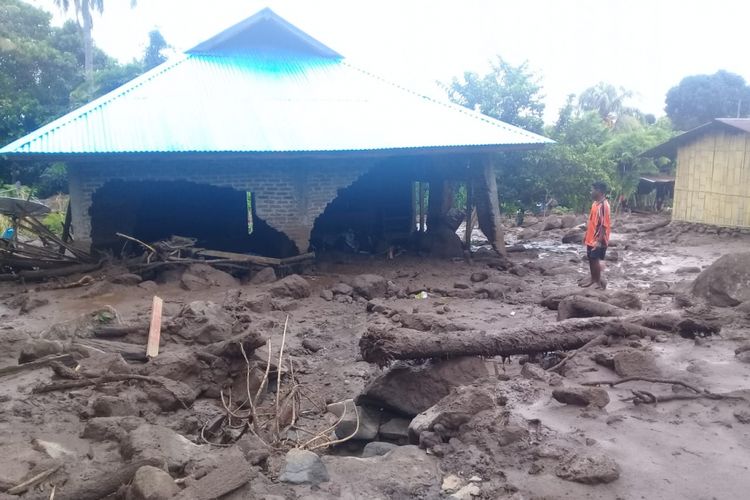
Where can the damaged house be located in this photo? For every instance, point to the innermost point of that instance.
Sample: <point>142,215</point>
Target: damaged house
<point>262,139</point>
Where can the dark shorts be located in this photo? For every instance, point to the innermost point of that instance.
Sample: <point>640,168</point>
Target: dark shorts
<point>596,253</point>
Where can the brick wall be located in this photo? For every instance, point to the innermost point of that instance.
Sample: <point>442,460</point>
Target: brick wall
<point>289,195</point>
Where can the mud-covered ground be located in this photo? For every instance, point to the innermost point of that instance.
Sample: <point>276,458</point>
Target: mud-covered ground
<point>502,434</point>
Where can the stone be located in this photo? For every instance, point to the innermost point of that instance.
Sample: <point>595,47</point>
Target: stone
<point>532,371</point>
<point>326,295</point>
<point>377,449</point>
<point>126,279</point>
<point>265,275</point>
<point>451,412</point>
<point>743,357</point>
<point>342,289</point>
<point>151,483</point>
<point>742,416</point>
<point>595,468</point>
<point>18,461</point>
<point>212,276</point>
<point>468,492</point>
<point>494,291</point>
<point>479,277</point>
<point>633,363</point>
<point>461,286</point>
<point>53,450</point>
<point>39,348</point>
<point>569,221</point>
<point>303,467</point>
<point>193,283</point>
<point>369,420</point>
<point>582,396</point>
<point>149,286</point>
<point>110,428</point>
<point>203,322</point>
<point>113,406</point>
<point>369,286</point>
<point>528,234</point>
<point>26,302</point>
<point>573,236</point>
<point>552,223</point>
<point>451,483</point>
<point>410,390</point>
<point>102,363</point>
<point>161,443</point>
<point>293,287</point>
<point>256,452</point>
<point>311,344</point>
<point>726,282</point>
<point>396,429</point>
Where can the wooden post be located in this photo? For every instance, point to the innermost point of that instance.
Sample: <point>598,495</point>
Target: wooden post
<point>469,212</point>
<point>66,228</point>
<point>154,332</point>
<point>421,206</point>
<point>488,205</point>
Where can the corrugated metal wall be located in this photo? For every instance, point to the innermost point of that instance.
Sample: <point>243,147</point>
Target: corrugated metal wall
<point>713,180</point>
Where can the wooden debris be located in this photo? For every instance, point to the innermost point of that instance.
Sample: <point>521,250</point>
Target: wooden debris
<point>110,332</point>
<point>33,481</point>
<point>154,332</point>
<point>39,363</point>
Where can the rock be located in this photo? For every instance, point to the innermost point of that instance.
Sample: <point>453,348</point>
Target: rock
<point>604,359</point>
<point>258,303</point>
<point>303,467</point>
<point>612,255</point>
<point>574,236</point>
<point>126,279</point>
<point>110,428</point>
<point>150,483</point>
<point>582,396</point>
<point>744,357</point>
<point>326,295</point>
<point>255,451</point>
<point>633,363</point>
<point>311,345</point>
<point>294,287</point>
<point>149,286</point>
<point>494,291</point>
<point>342,289</point>
<point>182,366</point>
<point>479,277</point>
<point>53,450</point>
<point>410,390</point>
<point>461,286</point>
<point>451,483</point>
<point>552,223</point>
<point>369,420</point>
<point>212,276</point>
<point>193,283</point>
<point>161,443</point>
<point>202,322</point>
<point>113,406</point>
<point>102,363</point>
<point>265,275</point>
<point>726,282</point>
<point>742,416</point>
<point>625,300</point>
<point>369,286</point>
<point>377,449</point>
<point>26,302</point>
<point>448,414</point>
<point>39,348</point>
<point>688,270</point>
<point>533,371</point>
<point>528,234</point>
<point>396,429</point>
<point>569,221</point>
<point>588,469</point>
<point>18,461</point>
<point>468,492</point>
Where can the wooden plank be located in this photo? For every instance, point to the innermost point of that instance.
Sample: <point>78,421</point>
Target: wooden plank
<point>154,332</point>
<point>298,258</point>
<point>239,257</point>
<point>38,363</point>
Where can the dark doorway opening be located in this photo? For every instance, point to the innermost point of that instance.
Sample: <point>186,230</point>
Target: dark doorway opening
<point>154,210</point>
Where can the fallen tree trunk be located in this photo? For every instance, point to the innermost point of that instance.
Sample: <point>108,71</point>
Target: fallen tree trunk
<point>382,347</point>
<point>43,274</point>
<point>650,227</point>
<point>582,307</point>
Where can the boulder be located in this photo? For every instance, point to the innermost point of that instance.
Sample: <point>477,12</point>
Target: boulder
<point>396,429</point>
<point>254,449</point>
<point>377,449</point>
<point>110,428</point>
<point>573,236</point>
<point>265,275</point>
<point>303,467</point>
<point>595,468</point>
<point>569,221</point>
<point>160,443</point>
<point>479,277</point>
<point>688,270</point>
<point>151,483</point>
<point>369,286</point>
<point>193,283</point>
<point>633,363</point>
<point>342,289</point>
<point>528,234</point>
<point>369,421</point>
<point>552,223</point>
<point>326,295</point>
<point>126,279</point>
<point>451,412</point>
<point>202,322</point>
<point>293,287</point>
<point>103,363</point>
<point>149,286</point>
<point>582,396</point>
<point>39,348</point>
<point>410,390</point>
<point>114,406</point>
<point>726,282</point>
<point>212,276</point>
<point>532,371</point>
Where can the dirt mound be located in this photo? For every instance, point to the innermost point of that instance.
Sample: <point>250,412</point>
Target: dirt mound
<point>726,282</point>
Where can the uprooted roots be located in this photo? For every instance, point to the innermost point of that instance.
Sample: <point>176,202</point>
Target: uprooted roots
<point>275,424</point>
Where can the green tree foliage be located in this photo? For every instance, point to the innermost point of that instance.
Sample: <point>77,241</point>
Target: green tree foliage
<point>698,99</point>
<point>509,93</point>
<point>606,100</point>
<point>154,54</point>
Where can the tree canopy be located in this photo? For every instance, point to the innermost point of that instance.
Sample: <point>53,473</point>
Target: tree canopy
<point>698,99</point>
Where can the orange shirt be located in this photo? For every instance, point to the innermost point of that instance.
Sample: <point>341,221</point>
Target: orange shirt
<point>599,223</point>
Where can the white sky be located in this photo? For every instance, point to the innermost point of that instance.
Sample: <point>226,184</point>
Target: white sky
<point>647,46</point>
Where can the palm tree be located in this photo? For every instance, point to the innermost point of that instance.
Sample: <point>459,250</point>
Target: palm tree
<point>606,99</point>
<point>84,10</point>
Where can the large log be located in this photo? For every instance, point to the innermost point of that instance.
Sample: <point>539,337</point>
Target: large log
<point>581,307</point>
<point>382,347</point>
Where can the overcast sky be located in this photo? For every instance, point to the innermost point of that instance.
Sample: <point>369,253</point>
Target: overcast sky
<point>646,46</point>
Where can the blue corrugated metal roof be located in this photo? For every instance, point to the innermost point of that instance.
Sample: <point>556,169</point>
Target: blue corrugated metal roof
<point>267,102</point>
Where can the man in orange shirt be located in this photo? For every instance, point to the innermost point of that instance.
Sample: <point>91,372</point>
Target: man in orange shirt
<point>597,234</point>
